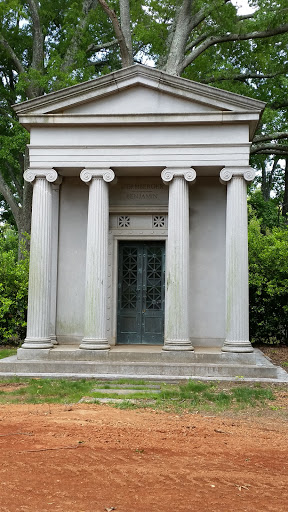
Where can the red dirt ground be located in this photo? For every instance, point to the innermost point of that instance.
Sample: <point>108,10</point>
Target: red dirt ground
<point>92,458</point>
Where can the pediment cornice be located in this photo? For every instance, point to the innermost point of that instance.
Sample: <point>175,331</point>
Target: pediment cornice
<point>138,75</point>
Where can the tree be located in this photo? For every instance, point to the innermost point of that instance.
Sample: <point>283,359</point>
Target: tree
<point>268,282</point>
<point>13,287</point>
<point>48,45</point>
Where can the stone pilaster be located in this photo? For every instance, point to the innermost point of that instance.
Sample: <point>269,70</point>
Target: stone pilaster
<point>39,296</point>
<point>237,290</point>
<point>177,259</point>
<point>95,334</point>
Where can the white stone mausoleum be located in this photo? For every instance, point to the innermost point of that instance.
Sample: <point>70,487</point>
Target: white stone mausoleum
<point>139,221</point>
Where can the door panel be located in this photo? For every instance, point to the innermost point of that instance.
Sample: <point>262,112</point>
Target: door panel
<point>141,289</point>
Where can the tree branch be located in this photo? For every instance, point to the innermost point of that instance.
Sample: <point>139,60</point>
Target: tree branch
<point>118,32</point>
<point>10,199</point>
<point>213,40</point>
<point>270,149</point>
<point>270,136</point>
<point>14,179</point>
<point>38,38</point>
<point>196,41</point>
<point>200,16</point>
<point>94,48</point>
<point>246,16</point>
<point>69,58</point>
<point>242,77</point>
<point>275,105</point>
<point>18,64</point>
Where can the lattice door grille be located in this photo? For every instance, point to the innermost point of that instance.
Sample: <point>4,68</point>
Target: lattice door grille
<point>154,278</point>
<point>129,278</point>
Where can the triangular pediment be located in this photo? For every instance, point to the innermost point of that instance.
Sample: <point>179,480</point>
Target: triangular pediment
<point>139,99</point>
<point>138,90</point>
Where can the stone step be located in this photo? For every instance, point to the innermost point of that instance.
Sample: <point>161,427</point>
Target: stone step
<point>15,366</point>
<point>124,392</point>
<point>112,356</point>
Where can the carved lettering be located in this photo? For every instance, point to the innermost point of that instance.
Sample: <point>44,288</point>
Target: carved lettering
<point>142,196</point>
<point>152,186</point>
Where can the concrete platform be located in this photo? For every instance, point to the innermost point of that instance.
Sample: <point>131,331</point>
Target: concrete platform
<point>141,362</point>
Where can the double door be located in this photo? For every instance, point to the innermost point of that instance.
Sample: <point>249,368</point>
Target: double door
<point>141,290</point>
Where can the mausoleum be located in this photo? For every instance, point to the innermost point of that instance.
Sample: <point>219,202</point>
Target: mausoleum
<point>139,221</point>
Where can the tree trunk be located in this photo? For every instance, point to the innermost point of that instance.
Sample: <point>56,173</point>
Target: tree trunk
<point>126,29</point>
<point>179,40</point>
<point>24,218</point>
<point>125,45</point>
<point>264,184</point>
<point>285,197</point>
<point>267,180</point>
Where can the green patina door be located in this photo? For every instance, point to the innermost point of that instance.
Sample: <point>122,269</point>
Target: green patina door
<point>141,289</point>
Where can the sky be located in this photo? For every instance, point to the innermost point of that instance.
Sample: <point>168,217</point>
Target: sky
<point>243,6</point>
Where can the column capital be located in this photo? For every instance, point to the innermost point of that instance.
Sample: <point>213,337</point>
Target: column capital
<point>246,172</point>
<point>88,174</point>
<point>169,173</point>
<point>31,174</point>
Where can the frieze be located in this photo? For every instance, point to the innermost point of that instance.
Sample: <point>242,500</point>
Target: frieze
<point>139,192</point>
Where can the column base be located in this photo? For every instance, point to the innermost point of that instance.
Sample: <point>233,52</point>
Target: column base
<point>178,345</point>
<point>237,346</point>
<point>37,343</point>
<point>94,344</point>
<point>54,340</point>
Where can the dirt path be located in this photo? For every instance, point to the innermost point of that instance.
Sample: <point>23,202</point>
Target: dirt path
<point>91,458</point>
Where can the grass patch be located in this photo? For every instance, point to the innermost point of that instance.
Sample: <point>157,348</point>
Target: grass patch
<point>202,396</point>
<point>190,396</point>
<point>7,352</point>
<point>37,391</point>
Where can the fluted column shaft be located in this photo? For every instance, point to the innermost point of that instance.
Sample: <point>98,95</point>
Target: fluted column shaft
<point>237,286</point>
<point>95,333</point>
<point>38,319</point>
<point>177,260</point>
<point>54,259</point>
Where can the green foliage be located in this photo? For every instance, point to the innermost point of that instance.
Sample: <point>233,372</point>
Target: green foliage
<point>267,212</point>
<point>268,283</point>
<point>13,288</point>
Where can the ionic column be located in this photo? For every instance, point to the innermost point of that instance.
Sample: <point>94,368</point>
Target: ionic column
<point>237,287</point>
<point>54,259</point>
<point>95,333</point>
<point>177,259</point>
<point>39,296</point>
